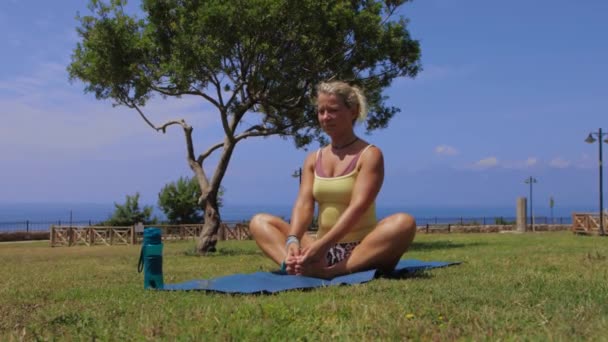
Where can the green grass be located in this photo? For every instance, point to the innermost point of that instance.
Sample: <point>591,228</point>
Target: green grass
<point>544,286</point>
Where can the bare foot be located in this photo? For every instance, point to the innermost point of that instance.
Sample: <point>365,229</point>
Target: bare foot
<point>316,270</point>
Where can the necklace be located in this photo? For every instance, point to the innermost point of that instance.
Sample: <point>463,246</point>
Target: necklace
<point>339,147</point>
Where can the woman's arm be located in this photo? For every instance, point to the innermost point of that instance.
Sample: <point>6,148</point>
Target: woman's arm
<point>303,209</point>
<point>366,188</point>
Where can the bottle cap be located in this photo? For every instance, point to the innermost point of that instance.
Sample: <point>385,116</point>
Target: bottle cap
<point>152,236</point>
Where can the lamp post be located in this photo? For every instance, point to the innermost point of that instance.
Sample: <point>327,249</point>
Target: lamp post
<point>298,174</point>
<point>531,180</point>
<point>551,205</point>
<point>590,139</point>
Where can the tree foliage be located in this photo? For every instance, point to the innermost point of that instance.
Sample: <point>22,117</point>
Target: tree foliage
<point>256,61</point>
<point>130,213</point>
<point>179,201</point>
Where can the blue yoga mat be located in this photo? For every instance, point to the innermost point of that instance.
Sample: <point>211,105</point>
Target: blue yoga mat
<point>268,282</point>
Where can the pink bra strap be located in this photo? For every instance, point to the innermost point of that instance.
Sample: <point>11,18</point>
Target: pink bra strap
<point>351,166</point>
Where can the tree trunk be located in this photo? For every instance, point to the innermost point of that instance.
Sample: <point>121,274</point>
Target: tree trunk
<point>208,238</point>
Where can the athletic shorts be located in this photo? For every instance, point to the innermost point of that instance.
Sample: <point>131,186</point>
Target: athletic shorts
<point>339,252</point>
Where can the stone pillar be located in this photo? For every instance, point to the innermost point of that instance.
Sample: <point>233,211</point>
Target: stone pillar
<point>521,214</point>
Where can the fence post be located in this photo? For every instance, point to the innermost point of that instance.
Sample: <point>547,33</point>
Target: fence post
<point>70,236</point>
<point>52,233</point>
<point>427,228</point>
<point>91,236</point>
<point>27,226</point>
<point>449,227</point>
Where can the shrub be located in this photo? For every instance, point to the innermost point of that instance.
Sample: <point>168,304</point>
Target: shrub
<point>129,213</point>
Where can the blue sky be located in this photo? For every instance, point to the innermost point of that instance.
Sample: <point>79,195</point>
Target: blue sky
<point>510,89</point>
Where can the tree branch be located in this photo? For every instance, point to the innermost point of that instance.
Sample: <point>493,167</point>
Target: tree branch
<point>143,116</point>
<point>195,165</point>
<point>256,131</point>
<point>389,14</point>
<point>181,122</point>
<point>222,108</point>
<point>175,92</point>
<point>255,134</point>
<point>240,112</point>
<point>203,156</point>
<point>218,88</point>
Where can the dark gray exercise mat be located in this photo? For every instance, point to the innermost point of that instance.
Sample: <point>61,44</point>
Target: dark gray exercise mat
<point>268,282</point>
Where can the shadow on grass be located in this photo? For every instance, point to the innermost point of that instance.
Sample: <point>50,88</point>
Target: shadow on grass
<point>418,274</point>
<point>433,245</point>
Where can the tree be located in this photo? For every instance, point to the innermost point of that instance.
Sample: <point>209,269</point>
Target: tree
<point>179,201</point>
<point>254,59</point>
<point>129,213</point>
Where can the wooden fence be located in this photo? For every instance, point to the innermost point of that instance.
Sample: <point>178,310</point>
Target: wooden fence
<point>588,223</point>
<point>60,235</point>
<point>132,235</point>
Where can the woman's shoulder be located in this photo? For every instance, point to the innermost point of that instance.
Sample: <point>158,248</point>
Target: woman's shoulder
<point>311,157</point>
<point>371,153</point>
<point>369,148</point>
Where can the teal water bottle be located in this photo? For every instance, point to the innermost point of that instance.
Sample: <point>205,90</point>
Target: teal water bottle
<point>151,259</point>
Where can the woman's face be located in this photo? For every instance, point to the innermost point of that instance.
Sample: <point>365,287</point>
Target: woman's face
<point>333,114</point>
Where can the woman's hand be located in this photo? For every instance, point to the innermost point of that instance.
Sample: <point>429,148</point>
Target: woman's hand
<point>312,262</point>
<point>311,258</point>
<point>293,253</point>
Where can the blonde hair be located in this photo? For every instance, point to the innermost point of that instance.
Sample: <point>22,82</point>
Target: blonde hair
<point>351,95</point>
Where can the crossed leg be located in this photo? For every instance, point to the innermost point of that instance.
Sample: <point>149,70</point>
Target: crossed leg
<point>382,248</point>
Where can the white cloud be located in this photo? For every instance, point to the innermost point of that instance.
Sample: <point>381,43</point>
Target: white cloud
<point>486,163</point>
<point>559,163</point>
<point>446,150</point>
<point>531,161</point>
<point>520,164</point>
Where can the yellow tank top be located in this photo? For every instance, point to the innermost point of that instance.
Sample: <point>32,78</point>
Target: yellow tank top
<point>333,196</point>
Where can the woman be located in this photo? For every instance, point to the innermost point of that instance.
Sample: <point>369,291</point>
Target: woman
<point>344,179</point>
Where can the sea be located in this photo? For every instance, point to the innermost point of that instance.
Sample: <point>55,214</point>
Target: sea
<point>38,216</point>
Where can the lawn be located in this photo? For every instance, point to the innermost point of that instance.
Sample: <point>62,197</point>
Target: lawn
<point>535,286</point>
